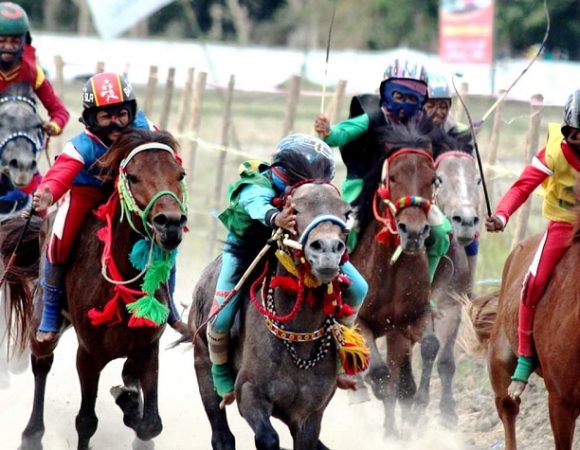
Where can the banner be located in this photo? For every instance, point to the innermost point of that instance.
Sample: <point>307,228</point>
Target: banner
<point>466,31</point>
<point>114,17</point>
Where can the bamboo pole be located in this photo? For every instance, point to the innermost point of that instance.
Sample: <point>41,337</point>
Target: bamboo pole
<point>292,104</point>
<point>532,139</point>
<point>220,167</point>
<point>150,91</point>
<point>167,99</point>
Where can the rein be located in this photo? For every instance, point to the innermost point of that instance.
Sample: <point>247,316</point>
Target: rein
<point>394,207</point>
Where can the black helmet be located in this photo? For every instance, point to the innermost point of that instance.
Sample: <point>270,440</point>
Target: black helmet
<point>106,90</point>
<point>302,157</point>
<point>571,112</point>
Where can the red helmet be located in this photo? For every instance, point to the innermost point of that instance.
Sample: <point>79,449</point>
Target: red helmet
<point>105,90</point>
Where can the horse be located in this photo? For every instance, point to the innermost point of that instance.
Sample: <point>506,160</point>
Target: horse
<point>21,135</point>
<point>457,195</point>
<point>392,214</point>
<point>281,344</point>
<point>143,218</point>
<point>494,331</point>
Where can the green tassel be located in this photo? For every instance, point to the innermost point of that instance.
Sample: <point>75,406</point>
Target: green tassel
<point>140,254</point>
<point>148,307</point>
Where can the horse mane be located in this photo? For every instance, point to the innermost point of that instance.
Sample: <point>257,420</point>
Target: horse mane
<point>416,134</point>
<point>108,164</point>
<point>446,142</point>
<point>19,90</point>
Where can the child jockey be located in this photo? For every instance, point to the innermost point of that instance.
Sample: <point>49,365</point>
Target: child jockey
<point>556,167</point>
<point>403,93</point>
<point>297,157</point>
<point>109,108</point>
<point>18,65</point>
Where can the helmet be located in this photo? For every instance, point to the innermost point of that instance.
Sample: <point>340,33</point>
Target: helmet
<point>105,90</point>
<point>13,20</point>
<point>300,157</point>
<point>409,79</point>
<point>571,112</point>
<point>438,87</point>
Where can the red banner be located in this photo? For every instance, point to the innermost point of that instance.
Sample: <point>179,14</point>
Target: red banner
<point>466,31</point>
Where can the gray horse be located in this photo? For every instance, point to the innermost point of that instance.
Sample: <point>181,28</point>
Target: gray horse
<point>21,136</point>
<point>458,197</point>
<point>271,378</point>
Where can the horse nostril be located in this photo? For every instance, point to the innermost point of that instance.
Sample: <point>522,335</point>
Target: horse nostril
<point>160,220</point>
<point>402,228</point>
<point>426,230</point>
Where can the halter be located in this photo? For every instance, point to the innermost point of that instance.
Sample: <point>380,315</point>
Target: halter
<point>19,98</point>
<point>11,137</point>
<point>394,208</point>
<point>128,202</point>
<point>455,153</point>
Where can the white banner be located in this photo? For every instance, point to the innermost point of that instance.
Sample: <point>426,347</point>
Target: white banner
<point>113,17</point>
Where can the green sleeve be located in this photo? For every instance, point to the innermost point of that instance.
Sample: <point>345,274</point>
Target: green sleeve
<point>348,130</point>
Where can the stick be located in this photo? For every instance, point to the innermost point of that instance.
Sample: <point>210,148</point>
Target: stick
<point>326,62</point>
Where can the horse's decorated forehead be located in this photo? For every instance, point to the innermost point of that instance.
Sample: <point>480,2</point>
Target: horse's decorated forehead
<point>314,192</point>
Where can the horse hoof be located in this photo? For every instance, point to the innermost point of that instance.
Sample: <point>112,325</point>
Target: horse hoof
<point>149,430</point>
<point>361,395</point>
<point>138,444</point>
<point>31,443</point>
<point>449,420</point>
<point>378,378</point>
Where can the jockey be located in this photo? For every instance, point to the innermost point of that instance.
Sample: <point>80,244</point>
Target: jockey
<point>109,108</point>
<point>437,107</point>
<point>297,157</point>
<point>556,167</point>
<point>18,65</point>
<point>403,93</point>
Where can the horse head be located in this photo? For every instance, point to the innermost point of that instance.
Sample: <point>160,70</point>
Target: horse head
<point>151,184</point>
<point>21,136</point>
<point>407,187</point>
<point>320,223</point>
<point>458,192</point>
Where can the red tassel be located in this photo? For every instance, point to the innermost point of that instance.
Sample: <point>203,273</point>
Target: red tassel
<point>135,322</point>
<point>109,314</point>
<point>286,283</point>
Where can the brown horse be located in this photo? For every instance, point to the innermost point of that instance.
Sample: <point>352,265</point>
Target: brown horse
<point>397,303</point>
<point>148,205</point>
<point>556,339</point>
<point>286,366</point>
<point>458,198</point>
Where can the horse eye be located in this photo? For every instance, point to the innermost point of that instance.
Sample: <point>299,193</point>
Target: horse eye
<point>181,176</point>
<point>478,181</point>
<point>392,179</point>
<point>296,212</point>
<point>132,178</point>
<point>348,214</point>
<point>437,181</point>
<point>13,163</point>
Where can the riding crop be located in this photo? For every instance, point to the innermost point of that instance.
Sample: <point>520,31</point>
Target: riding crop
<point>326,62</point>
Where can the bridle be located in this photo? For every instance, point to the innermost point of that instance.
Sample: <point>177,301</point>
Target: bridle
<point>37,144</point>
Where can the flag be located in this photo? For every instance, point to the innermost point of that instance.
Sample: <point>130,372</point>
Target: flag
<point>466,31</point>
<point>114,17</point>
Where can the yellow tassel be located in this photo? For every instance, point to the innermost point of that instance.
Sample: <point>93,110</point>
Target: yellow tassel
<point>353,353</point>
<point>310,281</point>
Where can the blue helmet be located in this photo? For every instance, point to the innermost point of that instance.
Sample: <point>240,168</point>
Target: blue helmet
<point>300,157</point>
<point>438,87</point>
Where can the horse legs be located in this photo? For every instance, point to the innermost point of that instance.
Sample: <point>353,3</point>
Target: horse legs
<point>32,434</point>
<point>128,397</point>
<point>429,349</point>
<point>377,375</point>
<point>502,362</point>
<point>306,435</point>
<point>563,420</point>
<point>257,410</point>
<point>221,435</point>
<point>89,372</point>
<point>148,364</point>
<point>446,369</point>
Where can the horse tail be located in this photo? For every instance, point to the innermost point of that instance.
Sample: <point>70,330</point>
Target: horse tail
<point>478,317</point>
<point>19,277</point>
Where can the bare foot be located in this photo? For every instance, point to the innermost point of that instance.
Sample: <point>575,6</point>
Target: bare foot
<point>346,382</point>
<point>46,336</point>
<point>516,388</point>
<point>227,399</point>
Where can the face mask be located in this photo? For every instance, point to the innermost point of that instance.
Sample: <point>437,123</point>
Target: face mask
<point>395,107</point>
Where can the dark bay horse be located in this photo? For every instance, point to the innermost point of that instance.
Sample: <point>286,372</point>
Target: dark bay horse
<point>286,366</point>
<point>21,135</point>
<point>147,208</point>
<point>458,198</point>
<point>556,338</point>
<point>391,256</point>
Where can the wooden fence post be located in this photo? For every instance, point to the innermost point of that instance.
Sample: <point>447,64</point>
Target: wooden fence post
<point>220,167</point>
<point>58,74</point>
<point>167,98</point>
<point>532,138</point>
<point>333,111</point>
<point>150,92</point>
<point>491,157</point>
<point>182,111</point>
<point>196,98</point>
<point>293,97</point>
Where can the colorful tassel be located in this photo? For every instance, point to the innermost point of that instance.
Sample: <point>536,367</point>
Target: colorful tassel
<point>353,353</point>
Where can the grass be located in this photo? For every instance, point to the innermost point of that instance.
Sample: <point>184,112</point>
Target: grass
<point>256,127</point>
